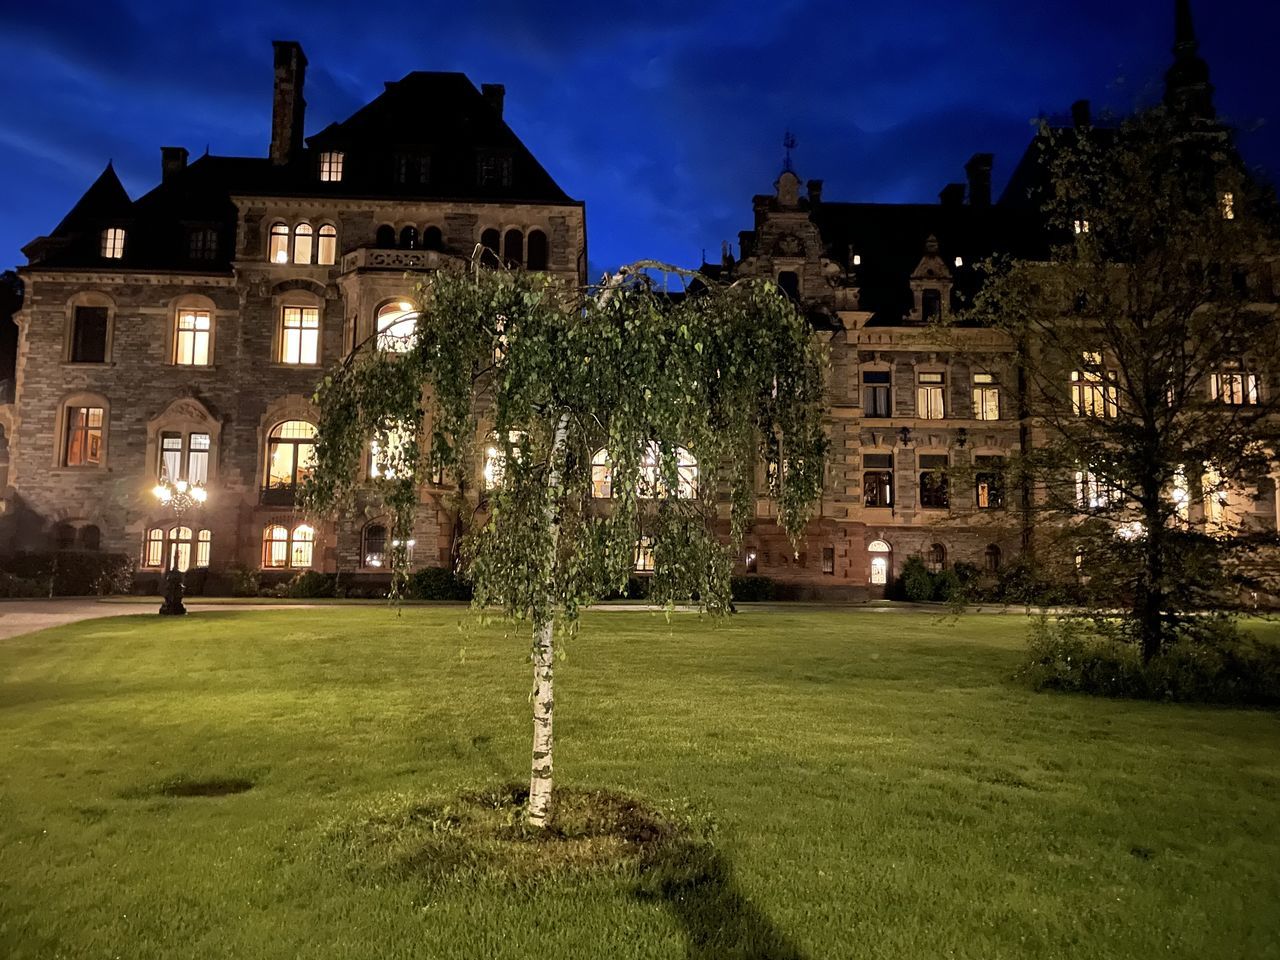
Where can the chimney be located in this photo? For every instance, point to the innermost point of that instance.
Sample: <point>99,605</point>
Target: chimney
<point>979,170</point>
<point>815,192</point>
<point>952,195</point>
<point>287,105</point>
<point>173,160</point>
<point>495,93</point>
<point>1081,114</point>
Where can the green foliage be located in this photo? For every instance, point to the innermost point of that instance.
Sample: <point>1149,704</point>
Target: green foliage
<point>436,583</point>
<point>73,573</point>
<point>12,586</point>
<point>548,376</point>
<point>243,581</point>
<point>308,585</point>
<point>1208,662</point>
<point>754,589</point>
<point>915,581</point>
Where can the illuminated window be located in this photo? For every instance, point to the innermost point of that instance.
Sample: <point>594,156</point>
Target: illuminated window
<point>396,324</point>
<point>391,452</point>
<point>301,544</point>
<point>300,335</point>
<point>89,327</point>
<point>1235,387</point>
<point>282,547</point>
<point>644,555</point>
<point>877,480</point>
<point>651,481</point>
<point>112,243</point>
<point>1181,495</point>
<point>278,250</point>
<point>1092,491</point>
<point>875,394</point>
<point>989,483</point>
<point>1227,205</point>
<point>191,338</point>
<point>751,561</point>
<point>303,236</point>
<point>291,451</point>
<point>601,475</point>
<point>929,396</point>
<point>182,548</point>
<point>1080,226</point>
<point>84,437</point>
<point>1093,388</point>
<point>936,560</point>
<point>327,247</point>
<point>153,548</point>
<point>374,550</point>
<point>959,262</point>
<point>934,494</point>
<point>204,545</point>
<point>879,567</point>
<point>331,166</point>
<point>495,460</point>
<point>184,458</point>
<point>986,397</point>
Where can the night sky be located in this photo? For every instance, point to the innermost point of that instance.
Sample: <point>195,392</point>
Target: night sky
<point>665,116</point>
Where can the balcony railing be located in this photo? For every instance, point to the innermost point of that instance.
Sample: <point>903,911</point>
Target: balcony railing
<point>279,496</point>
<point>379,258</point>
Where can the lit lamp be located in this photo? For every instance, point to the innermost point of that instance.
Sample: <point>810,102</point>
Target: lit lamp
<point>179,496</point>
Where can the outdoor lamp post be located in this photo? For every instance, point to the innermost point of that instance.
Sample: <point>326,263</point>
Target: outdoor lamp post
<point>180,496</point>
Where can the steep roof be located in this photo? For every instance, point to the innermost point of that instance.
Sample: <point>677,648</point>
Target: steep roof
<point>106,199</point>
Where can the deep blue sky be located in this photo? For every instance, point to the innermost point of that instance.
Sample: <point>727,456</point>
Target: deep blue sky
<point>665,116</point>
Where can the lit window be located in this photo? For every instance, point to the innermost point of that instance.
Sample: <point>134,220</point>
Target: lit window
<point>406,546</point>
<point>374,552</point>
<point>84,437</point>
<point>391,452</point>
<point>934,494</point>
<point>857,259</point>
<point>879,552</point>
<point>180,548</point>
<point>396,325</point>
<point>751,561</point>
<point>327,247</point>
<point>877,481</point>
<point>331,166</point>
<point>929,396</point>
<point>89,327</point>
<point>1213,490</point>
<point>644,555</point>
<point>1235,387</point>
<point>191,339</point>
<point>275,546</point>
<point>1093,389</point>
<point>959,262</point>
<point>651,482</point>
<point>184,458</point>
<point>113,243</point>
<point>1227,205</point>
<point>278,252</point>
<point>986,397</point>
<point>291,451</point>
<point>153,548</point>
<point>1092,491</point>
<point>300,335</point>
<point>1080,226</point>
<point>989,483</point>
<point>495,460</point>
<point>601,475</point>
<point>1181,495</point>
<point>302,240</point>
<point>301,544</point>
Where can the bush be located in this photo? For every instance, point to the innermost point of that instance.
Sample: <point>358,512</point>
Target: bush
<point>74,573</point>
<point>1210,663</point>
<point>308,585</point>
<point>11,586</point>
<point>916,582</point>
<point>242,580</point>
<point>436,583</point>
<point>753,589</point>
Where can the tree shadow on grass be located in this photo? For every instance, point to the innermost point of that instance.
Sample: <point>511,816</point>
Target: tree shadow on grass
<point>695,882</point>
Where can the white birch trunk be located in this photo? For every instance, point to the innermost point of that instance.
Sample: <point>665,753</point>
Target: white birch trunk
<point>540,778</point>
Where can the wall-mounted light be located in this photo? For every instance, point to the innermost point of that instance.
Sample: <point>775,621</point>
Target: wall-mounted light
<point>905,436</point>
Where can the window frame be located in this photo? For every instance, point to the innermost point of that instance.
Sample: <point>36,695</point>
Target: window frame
<point>933,481</point>
<point>986,391</point>
<point>196,334</point>
<point>329,165</point>
<point>282,355</point>
<point>70,409</point>
<point>929,391</point>
<point>877,476</point>
<point>876,388</point>
<point>111,243</point>
<point>298,470</point>
<point>297,246</point>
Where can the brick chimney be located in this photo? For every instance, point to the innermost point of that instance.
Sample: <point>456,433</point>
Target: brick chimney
<point>495,93</point>
<point>287,105</point>
<point>173,160</point>
<point>979,170</point>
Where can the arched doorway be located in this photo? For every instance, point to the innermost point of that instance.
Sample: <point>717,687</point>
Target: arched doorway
<point>880,554</point>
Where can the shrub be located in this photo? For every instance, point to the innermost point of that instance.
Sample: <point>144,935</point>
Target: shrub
<point>1212,662</point>
<point>242,580</point>
<point>11,586</point>
<point>308,585</point>
<point>916,581</point>
<point>947,587</point>
<point>73,573</point>
<point>436,583</point>
<point>753,589</point>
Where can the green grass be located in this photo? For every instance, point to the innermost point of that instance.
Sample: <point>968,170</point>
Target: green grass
<point>879,789</point>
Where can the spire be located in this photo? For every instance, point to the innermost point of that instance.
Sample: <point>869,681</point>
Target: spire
<point>1186,83</point>
<point>788,144</point>
<point>104,200</point>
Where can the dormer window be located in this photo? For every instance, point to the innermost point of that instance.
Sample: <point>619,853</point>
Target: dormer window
<point>113,243</point>
<point>959,262</point>
<point>203,244</point>
<point>493,170</point>
<point>931,304</point>
<point>331,166</point>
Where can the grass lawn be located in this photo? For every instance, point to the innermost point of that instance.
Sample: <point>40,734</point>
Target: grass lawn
<point>879,789</point>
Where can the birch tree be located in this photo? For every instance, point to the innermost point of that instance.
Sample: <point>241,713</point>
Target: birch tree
<point>582,411</point>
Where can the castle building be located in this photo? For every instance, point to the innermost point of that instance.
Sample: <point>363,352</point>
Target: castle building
<point>180,335</point>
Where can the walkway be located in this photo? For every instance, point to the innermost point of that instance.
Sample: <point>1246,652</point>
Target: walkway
<point>26,616</point>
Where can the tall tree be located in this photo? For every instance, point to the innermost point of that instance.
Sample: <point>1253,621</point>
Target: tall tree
<point>564,394</point>
<point>1149,348</point>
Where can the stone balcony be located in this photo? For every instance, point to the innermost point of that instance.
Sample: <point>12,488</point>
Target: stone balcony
<point>397,261</point>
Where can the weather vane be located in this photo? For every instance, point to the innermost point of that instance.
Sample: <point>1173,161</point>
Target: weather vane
<point>788,144</point>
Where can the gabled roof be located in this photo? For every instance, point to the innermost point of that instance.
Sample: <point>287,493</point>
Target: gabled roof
<point>105,200</point>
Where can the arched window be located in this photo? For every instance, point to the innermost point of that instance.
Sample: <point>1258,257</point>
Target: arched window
<point>153,549</point>
<point>937,559</point>
<point>302,241</point>
<point>992,558</point>
<point>489,239</point>
<point>601,475</point>
<point>432,239</point>
<point>537,257</point>
<point>327,248</point>
<point>651,483</point>
<point>409,237</point>
<point>278,251</point>
<point>204,545</point>
<point>291,451</point>
<point>90,537</point>
<point>373,551</point>
<point>396,326</point>
<point>275,546</point>
<point>386,236</point>
<point>879,572</point>
<point>181,543</point>
<point>301,545</point>
<point>513,248</point>
<point>180,548</point>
